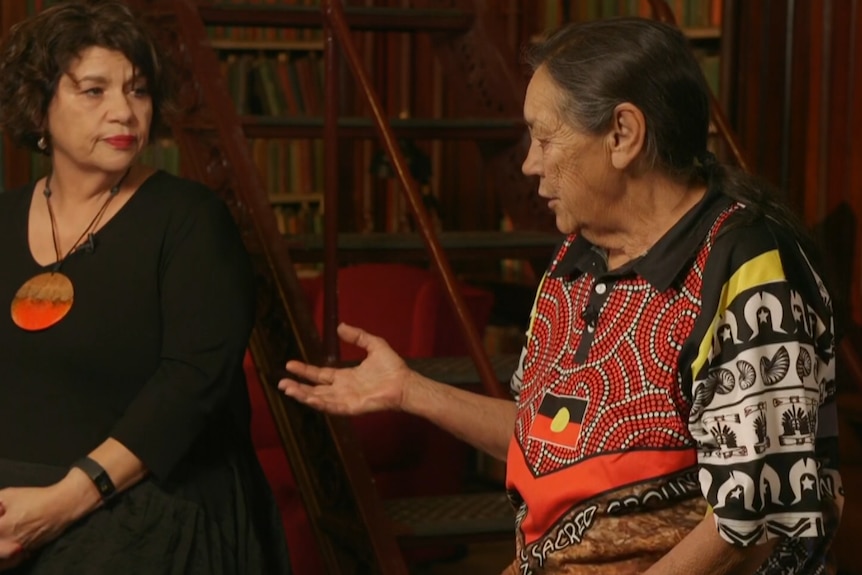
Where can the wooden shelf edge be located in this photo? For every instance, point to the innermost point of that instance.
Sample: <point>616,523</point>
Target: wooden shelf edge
<point>363,128</point>
<point>227,44</point>
<point>711,33</point>
<point>358,17</point>
<point>387,247</point>
<point>300,198</point>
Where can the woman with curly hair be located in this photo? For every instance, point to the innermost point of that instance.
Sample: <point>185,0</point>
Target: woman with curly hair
<point>124,442</point>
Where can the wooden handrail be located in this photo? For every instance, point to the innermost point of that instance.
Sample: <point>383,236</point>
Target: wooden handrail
<point>337,27</point>
<point>331,83</point>
<point>228,127</point>
<point>326,504</point>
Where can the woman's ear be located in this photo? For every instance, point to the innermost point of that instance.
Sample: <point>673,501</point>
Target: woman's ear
<point>627,135</point>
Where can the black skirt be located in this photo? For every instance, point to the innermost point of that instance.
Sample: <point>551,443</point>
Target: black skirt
<point>210,519</point>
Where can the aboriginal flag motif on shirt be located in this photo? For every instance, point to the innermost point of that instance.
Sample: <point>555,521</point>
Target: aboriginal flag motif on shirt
<point>627,426</point>
<point>559,420</point>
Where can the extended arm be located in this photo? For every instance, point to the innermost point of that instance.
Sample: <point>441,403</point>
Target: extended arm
<point>484,422</point>
<point>384,382</point>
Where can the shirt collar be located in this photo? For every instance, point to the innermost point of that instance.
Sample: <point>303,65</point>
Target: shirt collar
<point>661,265</point>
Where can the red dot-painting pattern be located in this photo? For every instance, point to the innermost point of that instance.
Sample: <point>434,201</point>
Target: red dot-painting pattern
<point>630,378</point>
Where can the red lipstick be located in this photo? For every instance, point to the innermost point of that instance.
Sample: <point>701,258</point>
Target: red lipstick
<point>122,142</point>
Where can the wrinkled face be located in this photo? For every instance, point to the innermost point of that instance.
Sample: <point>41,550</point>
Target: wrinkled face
<point>573,166</point>
<point>99,118</point>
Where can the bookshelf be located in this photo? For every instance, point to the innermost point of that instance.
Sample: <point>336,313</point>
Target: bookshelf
<point>700,21</point>
<point>275,79</point>
<point>276,83</point>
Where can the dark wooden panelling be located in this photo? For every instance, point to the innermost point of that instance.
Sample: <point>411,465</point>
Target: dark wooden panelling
<point>798,85</point>
<point>814,132</point>
<point>840,81</point>
<point>14,158</point>
<point>853,193</point>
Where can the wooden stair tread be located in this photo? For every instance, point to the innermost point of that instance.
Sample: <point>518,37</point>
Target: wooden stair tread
<point>411,128</point>
<point>461,370</point>
<point>452,515</point>
<point>404,247</point>
<point>358,17</point>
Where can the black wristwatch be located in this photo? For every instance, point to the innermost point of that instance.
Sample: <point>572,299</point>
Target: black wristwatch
<point>98,476</point>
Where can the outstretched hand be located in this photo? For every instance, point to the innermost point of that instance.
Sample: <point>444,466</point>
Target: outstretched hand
<point>376,384</point>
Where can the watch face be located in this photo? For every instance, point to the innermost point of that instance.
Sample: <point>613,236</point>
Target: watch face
<point>98,476</point>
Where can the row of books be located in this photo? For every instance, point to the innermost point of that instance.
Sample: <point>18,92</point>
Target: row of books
<point>689,13</point>
<point>298,219</point>
<point>710,63</point>
<point>163,154</point>
<point>289,167</point>
<point>697,13</point>
<point>287,84</point>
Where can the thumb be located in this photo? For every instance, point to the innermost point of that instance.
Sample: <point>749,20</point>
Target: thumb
<point>354,335</point>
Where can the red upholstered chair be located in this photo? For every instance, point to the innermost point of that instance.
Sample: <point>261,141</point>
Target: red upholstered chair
<point>407,455</point>
<point>405,305</point>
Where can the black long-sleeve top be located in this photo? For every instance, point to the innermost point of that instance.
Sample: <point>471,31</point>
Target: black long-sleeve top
<point>150,352</point>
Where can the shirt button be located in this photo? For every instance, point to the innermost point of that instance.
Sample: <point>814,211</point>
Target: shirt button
<point>601,288</point>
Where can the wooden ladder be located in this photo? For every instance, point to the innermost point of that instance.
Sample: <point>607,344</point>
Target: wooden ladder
<point>356,532</point>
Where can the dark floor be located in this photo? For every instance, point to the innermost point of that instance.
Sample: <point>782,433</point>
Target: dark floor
<point>479,559</point>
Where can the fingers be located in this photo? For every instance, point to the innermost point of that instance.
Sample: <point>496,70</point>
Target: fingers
<point>295,390</point>
<point>312,373</point>
<point>10,550</point>
<point>323,398</point>
<point>307,394</point>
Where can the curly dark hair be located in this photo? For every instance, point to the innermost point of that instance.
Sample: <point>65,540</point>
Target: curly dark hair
<point>39,50</point>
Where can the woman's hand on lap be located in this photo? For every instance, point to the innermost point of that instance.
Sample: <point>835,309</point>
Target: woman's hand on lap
<point>11,552</point>
<point>34,516</point>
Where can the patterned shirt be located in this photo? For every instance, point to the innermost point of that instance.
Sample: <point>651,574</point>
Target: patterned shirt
<point>700,374</point>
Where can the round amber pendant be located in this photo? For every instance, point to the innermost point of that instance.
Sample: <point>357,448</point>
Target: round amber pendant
<point>42,301</point>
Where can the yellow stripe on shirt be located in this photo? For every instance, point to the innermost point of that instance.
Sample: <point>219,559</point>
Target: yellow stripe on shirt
<point>763,269</point>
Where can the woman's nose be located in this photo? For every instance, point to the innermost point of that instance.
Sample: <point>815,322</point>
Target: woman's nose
<point>121,109</point>
<point>530,167</point>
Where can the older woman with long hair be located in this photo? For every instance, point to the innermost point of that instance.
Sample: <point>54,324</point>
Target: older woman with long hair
<point>674,407</point>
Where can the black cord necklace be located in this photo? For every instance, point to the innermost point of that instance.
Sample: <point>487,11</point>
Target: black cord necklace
<point>46,298</point>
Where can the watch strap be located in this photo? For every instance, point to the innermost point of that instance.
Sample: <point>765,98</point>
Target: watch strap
<point>98,476</point>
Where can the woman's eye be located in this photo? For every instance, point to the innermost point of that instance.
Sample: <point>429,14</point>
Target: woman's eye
<point>93,91</point>
<point>141,91</point>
